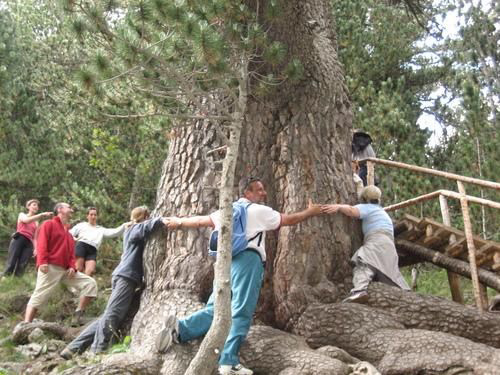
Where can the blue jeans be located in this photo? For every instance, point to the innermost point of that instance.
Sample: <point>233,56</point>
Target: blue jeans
<point>247,272</point>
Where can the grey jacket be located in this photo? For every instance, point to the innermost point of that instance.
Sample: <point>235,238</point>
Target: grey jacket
<point>134,241</point>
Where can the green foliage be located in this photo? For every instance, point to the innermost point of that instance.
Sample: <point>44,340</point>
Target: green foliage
<point>393,73</point>
<point>434,281</point>
<point>51,129</point>
<point>468,112</point>
<point>388,78</point>
<point>121,347</point>
<point>10,354</point>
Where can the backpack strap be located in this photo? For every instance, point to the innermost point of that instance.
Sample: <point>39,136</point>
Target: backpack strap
<point>258,234</point>
<point>254,237</point>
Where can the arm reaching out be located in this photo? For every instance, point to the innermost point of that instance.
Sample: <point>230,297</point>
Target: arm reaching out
<point>28,219</point>
<point>189,222</point>
<point>345,209</point>
<point>295,218</point>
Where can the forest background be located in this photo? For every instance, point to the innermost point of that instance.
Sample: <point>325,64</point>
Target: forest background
<point>71,129</point>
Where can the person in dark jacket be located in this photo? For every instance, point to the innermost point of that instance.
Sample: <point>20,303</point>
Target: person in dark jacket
<point>362,149</point>
<point>126,277</point>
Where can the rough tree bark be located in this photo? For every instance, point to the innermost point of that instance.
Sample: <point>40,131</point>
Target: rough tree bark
<point>298,141</point>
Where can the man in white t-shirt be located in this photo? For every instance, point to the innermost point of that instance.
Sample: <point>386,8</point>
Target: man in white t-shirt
<point>247,272</point>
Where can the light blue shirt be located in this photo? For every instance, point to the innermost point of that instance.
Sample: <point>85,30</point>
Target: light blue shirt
<point>373,218</point>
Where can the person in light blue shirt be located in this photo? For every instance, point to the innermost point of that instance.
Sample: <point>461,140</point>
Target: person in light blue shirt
<point>377,259</point>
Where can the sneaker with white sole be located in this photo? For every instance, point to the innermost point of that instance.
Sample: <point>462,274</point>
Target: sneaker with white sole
<point>168,335</point>
<point>234,370</point>
<point>357,297</point>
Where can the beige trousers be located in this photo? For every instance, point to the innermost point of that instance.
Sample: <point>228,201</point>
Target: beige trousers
<point>47,282</point>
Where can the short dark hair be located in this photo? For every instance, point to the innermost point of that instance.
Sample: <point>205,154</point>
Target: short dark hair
<point>92,209</point>
<point>245,183</point>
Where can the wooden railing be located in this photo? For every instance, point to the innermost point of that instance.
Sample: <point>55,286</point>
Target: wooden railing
<point>478,289</point>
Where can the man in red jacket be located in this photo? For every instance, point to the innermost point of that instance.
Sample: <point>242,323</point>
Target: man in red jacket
<point>55,260</point>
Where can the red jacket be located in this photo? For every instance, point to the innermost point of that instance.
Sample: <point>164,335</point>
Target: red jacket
<point>55,245</point>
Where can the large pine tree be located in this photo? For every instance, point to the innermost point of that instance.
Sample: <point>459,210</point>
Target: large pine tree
<point>296,137</point>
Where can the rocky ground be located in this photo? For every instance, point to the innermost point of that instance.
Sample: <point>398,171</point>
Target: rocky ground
<point>36,349</point>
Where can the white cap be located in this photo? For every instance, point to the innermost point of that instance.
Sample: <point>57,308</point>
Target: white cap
<point>371,193</point>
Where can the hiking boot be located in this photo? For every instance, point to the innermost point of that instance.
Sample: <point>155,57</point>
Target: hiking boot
<point>234,370</point>
<point>76,320</point>
<point>168,335</point>
<point>357,297</point>
<point>67,353</point>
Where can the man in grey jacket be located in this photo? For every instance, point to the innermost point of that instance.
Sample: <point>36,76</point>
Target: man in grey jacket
<point>126,277</point>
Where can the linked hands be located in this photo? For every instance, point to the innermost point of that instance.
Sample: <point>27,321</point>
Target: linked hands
<point>172,222</point>
<point>330,208</point>
<point>314,209</point>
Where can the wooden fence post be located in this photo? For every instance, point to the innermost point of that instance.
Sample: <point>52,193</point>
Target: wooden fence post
<point>470,246</point>
<point>370,179</point>
<point>453,278</point>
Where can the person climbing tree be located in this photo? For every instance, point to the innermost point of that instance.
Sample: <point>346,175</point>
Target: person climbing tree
<point>377,258</point>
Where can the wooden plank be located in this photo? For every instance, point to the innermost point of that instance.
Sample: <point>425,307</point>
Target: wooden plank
<point>426,221</point>
<point>496,262</point>
<point>412,235</point>
<point>456,248</point>
<point>484,256</point>
<point>489,247</point>
<point>455,265</point>
<point>471,249</point>
<point>370,173</point>
<point>453,278</point>
<point>451,176</point>
<point>437,240</point>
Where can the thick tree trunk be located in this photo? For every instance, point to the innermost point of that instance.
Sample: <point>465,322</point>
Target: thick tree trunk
<point>298,141</point>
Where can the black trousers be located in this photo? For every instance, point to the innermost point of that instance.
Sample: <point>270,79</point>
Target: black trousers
<point>20,252</point>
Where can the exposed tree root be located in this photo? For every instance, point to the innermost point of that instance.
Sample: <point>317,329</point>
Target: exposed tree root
<point>22,331</point>
<point>397,332</point>
<point>119,364</point>
<point>382,339</point>
<point>414,310</point>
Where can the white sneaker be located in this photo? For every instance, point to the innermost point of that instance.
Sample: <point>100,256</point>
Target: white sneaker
<point>168,335</point>
<point>358,297</point>
<point>234,370</point>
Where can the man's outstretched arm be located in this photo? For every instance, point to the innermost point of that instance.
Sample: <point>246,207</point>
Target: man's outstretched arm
<point>295,218</point>
<point>189,222</point>
<point>345,209</point>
